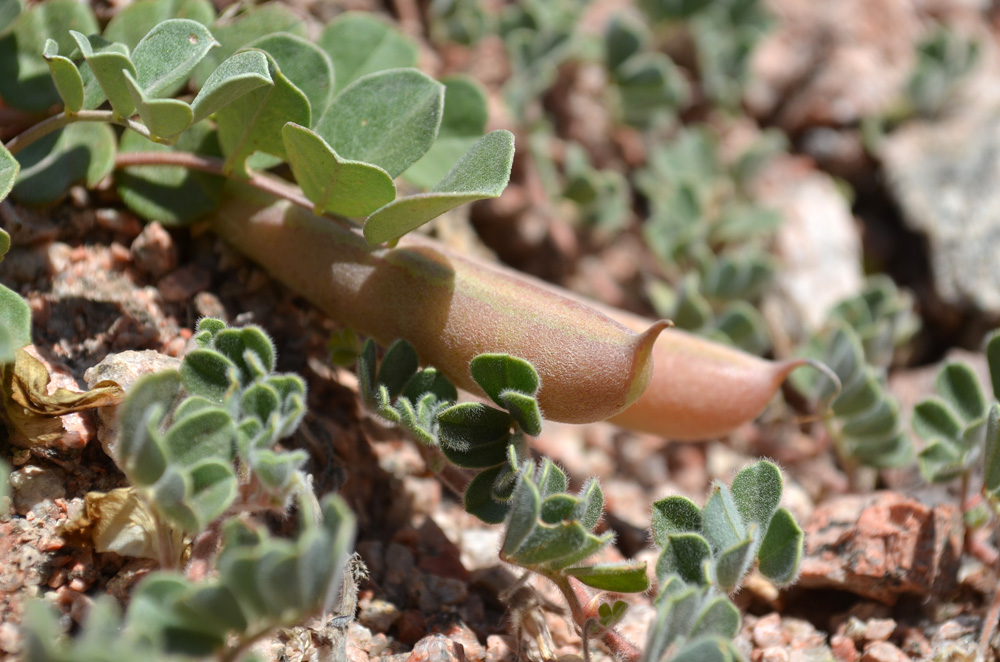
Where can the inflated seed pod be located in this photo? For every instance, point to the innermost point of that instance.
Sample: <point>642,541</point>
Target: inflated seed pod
<point>700,389</point>
<point>449,307</point>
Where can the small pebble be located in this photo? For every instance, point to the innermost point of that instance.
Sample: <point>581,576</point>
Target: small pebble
<point>883,651</point>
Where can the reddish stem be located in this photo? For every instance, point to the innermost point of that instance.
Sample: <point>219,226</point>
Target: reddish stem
<point>576,596</point>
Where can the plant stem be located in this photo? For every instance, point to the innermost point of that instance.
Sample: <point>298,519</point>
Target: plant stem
<point>56,122</point>
<point>275,186</point>
<point>576,596</point>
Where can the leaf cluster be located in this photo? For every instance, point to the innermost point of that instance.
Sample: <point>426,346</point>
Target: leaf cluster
<point>348,114</point>
<point>723,34</point>
<point>944,58</point>
<point>550,531</point>
<point>262,583</point>
<point>863,336</point>
<point>961,425</point>
<point>650,88</point>
<point>193,440</point>
<point>709,237</point>
<point>705,554</point>
<point>863,417</point>
<point>470,435</point>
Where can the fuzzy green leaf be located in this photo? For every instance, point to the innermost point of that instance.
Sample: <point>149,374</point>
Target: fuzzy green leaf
<point>551,545</point>
<point>781,550</point>
<point>719,617</point>
<point>482,172</point>
<point>210,608</point>
<point>991,454</point>
<point>496,373</point>
<point>858,394</point>
<point>878,422</point>
<point>261,401</point>
<point>209,374</point>
<point>9,167</point>
<point>480,497</point>
<point>389,119</point>
<point>252,123</point>
<point>305,65</point>
<point>107,61</point>
<point>684,555</point>
<point>207,433</point>
<point>463,122</point>
<point>714,649</point>
<point>165,117</point>
<point>9,11</point>
<point>591,504</point>
<point>958,385</point>
<point>524,409</point>
<point>524,511</point>
<point>473,435</point>
<point>941,462</point>
<point>142,413</point>
<point>624,37</point>
<point>249,348</point>
<point>66,77</point>
<point>992,359</point>
<point>25,81</point>
<point>333,184</point>
<point>757,491</point>
<point>81,152</point>
<point>723,522</point>
<point>674,514</point>
<point>172,195</point>
<point>234,32</point>
<point>611,615</point>
<point>557,508</point>
<point>399,365</point>
<point>469,423</point>
<point>276,470</point>
<point>624,577</point>
<point>933,419</point>
<point>213,489</point>
<point>15,323</point>
<point>732,564</point>
<point>238,75</point>
<point>136,19</point>
<point>359,43</point>
<point>172,496</point>
<point>167,55</point>
<point>430,381</point>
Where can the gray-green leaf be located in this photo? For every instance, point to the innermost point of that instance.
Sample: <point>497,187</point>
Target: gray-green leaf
<point>49,167</point>
<point>236,76</point>
<point>483,172</point>
<point>66,77</point>
<point>167,55</point>
<point>359,44</point>
<point>334,184</point>
<point>389,119</point>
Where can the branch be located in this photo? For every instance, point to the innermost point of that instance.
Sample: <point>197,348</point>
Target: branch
<point>63,119</point>
<point>275,186</point>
